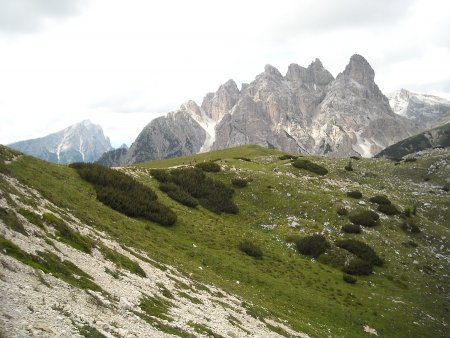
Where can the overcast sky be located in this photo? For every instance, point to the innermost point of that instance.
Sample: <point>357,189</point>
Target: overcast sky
<point>121,63</point>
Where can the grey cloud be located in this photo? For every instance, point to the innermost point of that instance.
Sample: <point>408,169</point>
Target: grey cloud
<point>21,16</point>
<point>330,14</point>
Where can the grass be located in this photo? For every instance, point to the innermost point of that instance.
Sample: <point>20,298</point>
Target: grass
<point>156,307</point>
<point>50,263</point>
<point>289,285</point>
<point>10,219</point>
<point>122,261</point>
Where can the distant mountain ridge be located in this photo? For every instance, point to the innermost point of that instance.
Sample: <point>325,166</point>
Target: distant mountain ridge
<point>305,111</point>
<point>81,142</point>
<point>427,110</point>
<point>437,137</point>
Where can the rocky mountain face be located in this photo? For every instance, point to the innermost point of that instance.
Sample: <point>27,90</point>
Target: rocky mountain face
<point>305,111</point>
<point>435,138</point>
<point>81,142</point>
<point>427,110</point>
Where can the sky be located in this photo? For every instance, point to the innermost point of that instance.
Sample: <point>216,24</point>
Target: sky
<point>121,63</point>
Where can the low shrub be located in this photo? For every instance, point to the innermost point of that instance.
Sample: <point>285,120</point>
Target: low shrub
<point>349,278</point>
<point>310,166</point>
<point>410,226</point>
<point>388,209</point>
<point>160,175</point>
<point>124,194</point>
<point>246,159</point>
<point>239,182</point>
<point>358,266</point>
<point>351,228</point>
<point>287,157</point>
<point>208,166</point>
<point>251,249</point>
<point>178,194</point>
<point>354,194</point>
<point>410,159</point>
<point>446,187</point>
<point>349,166</point>
<point>342,211</point>
<point>366,218</point>
<point>361,250</point>
<point>313,246</point>
<point>380,199</point>
<point>355,157</point>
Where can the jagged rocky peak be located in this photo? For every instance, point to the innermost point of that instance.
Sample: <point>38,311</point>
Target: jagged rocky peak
<point>314,74</point>
<point>272,71</point>
<point>360,70</point>
<point>217,104</point>
<point>192,107</point>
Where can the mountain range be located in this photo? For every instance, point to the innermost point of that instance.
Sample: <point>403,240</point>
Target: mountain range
<point>305,111</point>
<point>81,142</point>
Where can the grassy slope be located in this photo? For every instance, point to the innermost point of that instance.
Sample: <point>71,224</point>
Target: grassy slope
<point>399,300</point>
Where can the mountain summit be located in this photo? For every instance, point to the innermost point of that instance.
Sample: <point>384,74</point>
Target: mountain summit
<point>81,142</point>
<point>305,111</point>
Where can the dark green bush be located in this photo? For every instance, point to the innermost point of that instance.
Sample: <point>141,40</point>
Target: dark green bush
<point>178,194</point>
<point>354,194</point>
<point>239,182</point>
<point>314,245</point>
<point>287,157</point>
<point>380,199</point>
<point>355,157</point>
<point>388,209</point>
<point>361,250</point>
<point>211,194</point>
<point>446,187</point>
<point>246,159</point>
<point>351,228</point>
<point>410,159</point>
<point>367,218</point>
<point>349,166</point>
<point>161,175</point>
<point>342,211</point>
<point>358,267</point>
<point>208,166</point>
<point>124,194</point>
<point>349,278</point>
<point>251,249</point>
<point>410,226</point>
<point>310,166</point>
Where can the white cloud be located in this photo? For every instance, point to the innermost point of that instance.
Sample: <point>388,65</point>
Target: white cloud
<point>122,63</point>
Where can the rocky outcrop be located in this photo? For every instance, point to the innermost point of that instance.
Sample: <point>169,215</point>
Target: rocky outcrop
<point>82,142</point>
<point>426,110</point>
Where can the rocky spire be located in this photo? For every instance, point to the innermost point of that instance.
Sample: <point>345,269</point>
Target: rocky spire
<point>360,70</point>
<point>217,104</point>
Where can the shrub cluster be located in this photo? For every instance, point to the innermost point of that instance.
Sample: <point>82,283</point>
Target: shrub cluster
<point>380,199</point>
<point>360,250</point>
<point>351,228</point>
<point>367,218</point>
<point>354,194</point>
<point>358,266</point>
<point>388,209</point>
<point>349,278</point>
<point>410,226</point>
<point>210,166</point>
<point>287,157</point>
<point>251,249</point>
<point>246,159</point>
<point>176,193</point>
<point>310,166</point>
<point>342,211</point>
<point>314,245</point>
<point>239,182</point>
<point>124,194</point>
<point>349,166</point>
<point>211,194</point>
